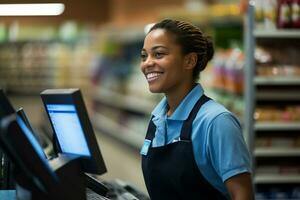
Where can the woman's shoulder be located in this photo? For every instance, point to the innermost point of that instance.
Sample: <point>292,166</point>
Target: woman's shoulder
<point>212,110</point>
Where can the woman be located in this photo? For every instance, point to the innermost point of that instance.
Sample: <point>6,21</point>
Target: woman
<point>194,148</point>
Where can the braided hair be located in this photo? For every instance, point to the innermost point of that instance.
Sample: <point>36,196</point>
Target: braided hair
<point>191,39</point>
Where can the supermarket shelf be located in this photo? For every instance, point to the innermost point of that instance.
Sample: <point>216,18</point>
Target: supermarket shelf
<point>125,102</point>
<point>292,33</point>
<point>271,80</point>
<point>124,134</point>
<point>277,95</point>
<point>276,178</point>
<point>275,151</point>
<point>269,126</point>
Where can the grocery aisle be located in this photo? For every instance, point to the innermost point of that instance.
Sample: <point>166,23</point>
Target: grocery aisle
<point>122,161</point>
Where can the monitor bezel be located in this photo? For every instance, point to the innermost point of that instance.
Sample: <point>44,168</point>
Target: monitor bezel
<point>23,154</point>
<point>95,163</point>
<point>21,113</point>
<point>7,106</point>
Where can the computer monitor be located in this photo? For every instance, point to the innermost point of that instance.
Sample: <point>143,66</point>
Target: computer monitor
<point>20,145</point>
<point>22,115</point>
<point>72,127</point>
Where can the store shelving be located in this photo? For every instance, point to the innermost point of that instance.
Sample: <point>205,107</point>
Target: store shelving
<point>277,95</point>
<point>272,141</point>
<point>278,179</point>
<point>121,125</point>
<point>276,152</point>
<point>125,102</point>
<point>266,33</point>
<point>123,133</point>
<point>260,80</point>
<point>276,126</point>
<point>30,66</point>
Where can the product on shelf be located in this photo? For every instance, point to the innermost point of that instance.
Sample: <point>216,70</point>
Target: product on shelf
<point>280,142</point>
<point>275,114</point>
<point>228,68</point>
<point>269,8</point>
<point>274,62</point>
<point>278,70</point>
<point>295,7</point>
<point>281,14</point>
<point>265,14</point>
<point>288,14</point>
<point>284,14</point>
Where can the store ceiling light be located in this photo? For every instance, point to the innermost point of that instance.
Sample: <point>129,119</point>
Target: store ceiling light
<point>32,9</point>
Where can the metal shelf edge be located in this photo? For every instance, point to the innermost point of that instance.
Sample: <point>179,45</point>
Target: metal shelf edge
<point>275,151</point>
<point>112,128</point>
<point>275,178</point>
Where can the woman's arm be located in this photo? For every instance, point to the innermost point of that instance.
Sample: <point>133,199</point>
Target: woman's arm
<point>240,187</point>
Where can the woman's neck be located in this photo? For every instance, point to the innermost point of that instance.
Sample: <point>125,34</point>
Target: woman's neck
<point>174,98</point>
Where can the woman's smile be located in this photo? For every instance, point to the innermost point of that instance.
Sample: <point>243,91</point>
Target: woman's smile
<point>152,76</point>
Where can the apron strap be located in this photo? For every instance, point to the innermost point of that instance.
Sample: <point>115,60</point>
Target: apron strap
<point>151,130</point>
<point>187,124</point>
<point>186,129</point>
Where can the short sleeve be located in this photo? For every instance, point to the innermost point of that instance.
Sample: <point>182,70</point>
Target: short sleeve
<point>226,147</point>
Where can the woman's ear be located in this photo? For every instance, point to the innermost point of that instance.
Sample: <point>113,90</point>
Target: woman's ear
<point>190,60</point>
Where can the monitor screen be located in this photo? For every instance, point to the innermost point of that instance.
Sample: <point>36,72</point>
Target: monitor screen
<point>33,141</point>
<point>72,127</point>
<point>26,153</point>
<point>66,124</point>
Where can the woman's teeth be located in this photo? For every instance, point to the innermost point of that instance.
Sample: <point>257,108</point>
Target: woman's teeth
<point>152,76</point>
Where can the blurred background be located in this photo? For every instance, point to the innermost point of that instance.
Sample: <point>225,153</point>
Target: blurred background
<point>95,45</point>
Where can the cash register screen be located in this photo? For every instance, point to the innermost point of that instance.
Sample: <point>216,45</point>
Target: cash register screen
<point>26,131</point>
<point>68,128</point>
<point>72,128</point>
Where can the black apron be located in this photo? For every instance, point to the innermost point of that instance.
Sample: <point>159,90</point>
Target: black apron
<point>170,171</point>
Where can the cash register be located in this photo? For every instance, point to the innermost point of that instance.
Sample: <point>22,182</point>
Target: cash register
<point>70,174</point>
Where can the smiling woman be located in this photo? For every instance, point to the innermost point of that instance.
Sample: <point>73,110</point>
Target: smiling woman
<point>194,148</point>
<point>161,62</point>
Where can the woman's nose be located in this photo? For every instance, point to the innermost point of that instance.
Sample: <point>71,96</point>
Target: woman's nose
<point>148,62</point>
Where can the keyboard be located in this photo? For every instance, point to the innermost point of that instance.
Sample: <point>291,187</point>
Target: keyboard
<point>119,190</point>
<point>91,195</point>
<point>112,190</point>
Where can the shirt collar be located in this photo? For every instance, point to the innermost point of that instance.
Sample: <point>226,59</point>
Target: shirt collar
<point>183,110</point>
<point>161,109</point>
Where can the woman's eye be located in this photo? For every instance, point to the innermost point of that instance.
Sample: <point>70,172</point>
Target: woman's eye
<point>143,57</point>
<point>159,55</point>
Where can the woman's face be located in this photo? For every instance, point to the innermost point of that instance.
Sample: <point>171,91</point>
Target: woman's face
<point>162,62</point>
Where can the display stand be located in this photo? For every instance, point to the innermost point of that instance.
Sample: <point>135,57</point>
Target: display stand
<point>71,182</point>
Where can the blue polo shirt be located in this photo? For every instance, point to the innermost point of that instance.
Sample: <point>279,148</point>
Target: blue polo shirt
<point>219,148</point>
